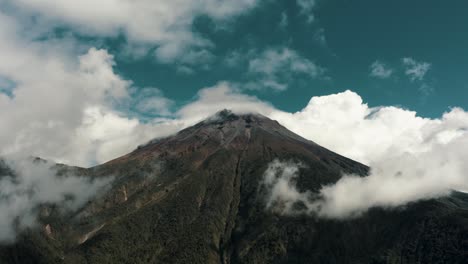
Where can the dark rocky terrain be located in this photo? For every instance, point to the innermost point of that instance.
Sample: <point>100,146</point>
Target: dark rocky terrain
<point>195,197</point>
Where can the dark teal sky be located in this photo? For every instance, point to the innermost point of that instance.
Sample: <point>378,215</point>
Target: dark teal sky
<point>356,34</point>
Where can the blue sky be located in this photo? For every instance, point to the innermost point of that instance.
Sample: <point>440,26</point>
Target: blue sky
<point>83,83</point>
<point>345,38</point>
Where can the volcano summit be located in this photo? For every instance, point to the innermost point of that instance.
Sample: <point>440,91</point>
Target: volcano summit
<point>203,196</point>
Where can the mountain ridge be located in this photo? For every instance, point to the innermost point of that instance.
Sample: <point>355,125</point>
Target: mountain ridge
<point>197,197</point>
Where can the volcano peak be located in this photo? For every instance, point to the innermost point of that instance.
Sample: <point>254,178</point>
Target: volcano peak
<point>199,197</point>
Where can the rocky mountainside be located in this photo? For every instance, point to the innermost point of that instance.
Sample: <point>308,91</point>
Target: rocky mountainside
<point>196,197</point>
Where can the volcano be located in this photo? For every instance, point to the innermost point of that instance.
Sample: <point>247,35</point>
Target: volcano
<point>197,197</point>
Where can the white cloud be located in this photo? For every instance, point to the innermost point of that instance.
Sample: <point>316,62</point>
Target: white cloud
<point>415,70</point>
<point>307,7</point>
<point>150,101</point>
<point>221,96</point>
<point>272,61</point>
<point>380,70</point>
<point>343,123</point>
<point>62,92</point>
<point>411,157</point>
<point>166,24</point>
<point>281,192</point>
<point>51,99</point>
<point>34,184</point>
<point>400,179</point>
<point>99,79</point>
<point>274,68</point>
<point>394,181</point>
<point>103,135</point>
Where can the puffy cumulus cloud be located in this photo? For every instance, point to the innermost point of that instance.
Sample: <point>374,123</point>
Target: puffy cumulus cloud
<point>380,70</point>
<point>274,68</point>
<point>50,106</point>
<point>60,93</point>
<point>27,185</point>
<point>103,135</point>
<point>166,24</point>
<point>415,70</point>
<point>411,158</point>
<point>343,123</point>
<point>100,81</point>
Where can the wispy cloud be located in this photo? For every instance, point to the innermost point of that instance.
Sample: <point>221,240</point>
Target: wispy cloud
<point>150,101</point>
<point>279,186</point>
<point>284,21</point>
<point>307,8</point>
<point>415,70</point>
<point>380,70</point>
<point>274,68</point>
<point>319,36</point>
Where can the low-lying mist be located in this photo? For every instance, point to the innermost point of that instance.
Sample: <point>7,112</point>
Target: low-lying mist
<point>26,184</point>
<point>392,182</point>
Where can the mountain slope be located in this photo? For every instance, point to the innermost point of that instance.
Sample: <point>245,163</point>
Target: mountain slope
<point>196,197</point>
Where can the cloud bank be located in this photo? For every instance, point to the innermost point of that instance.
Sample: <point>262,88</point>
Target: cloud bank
<point>28,184</point>
<point>411,158</point>
<point>390,184</point>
